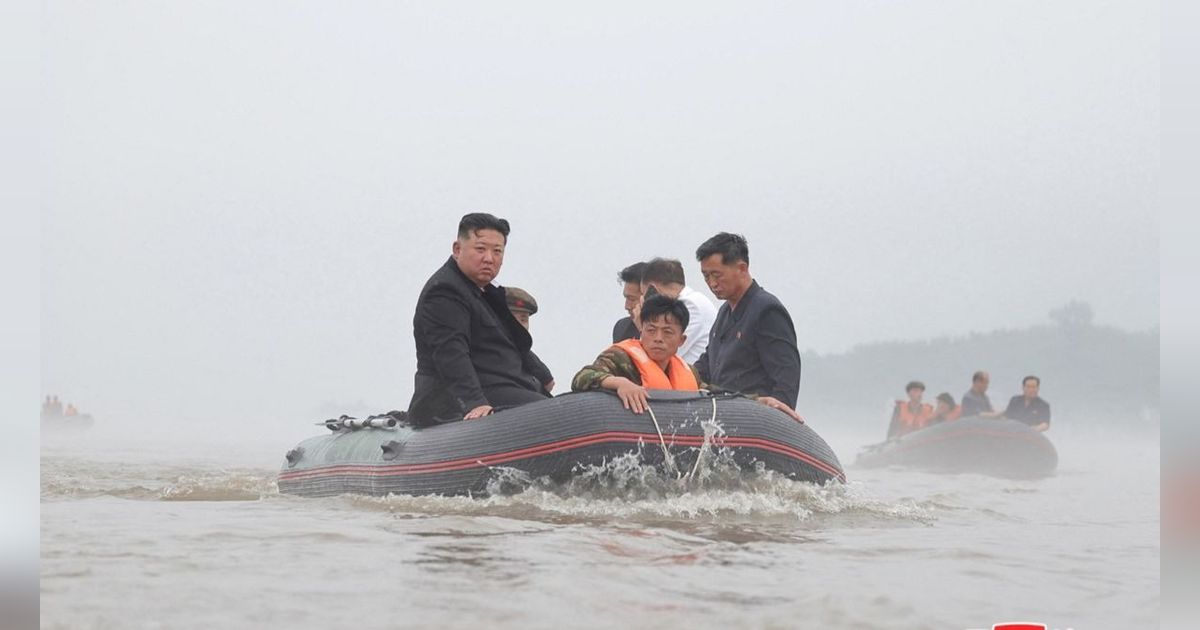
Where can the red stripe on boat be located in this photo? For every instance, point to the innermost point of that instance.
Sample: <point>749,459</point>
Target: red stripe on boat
<point>555,447</point>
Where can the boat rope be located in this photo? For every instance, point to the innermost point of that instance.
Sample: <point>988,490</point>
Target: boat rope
<point>662,442</point>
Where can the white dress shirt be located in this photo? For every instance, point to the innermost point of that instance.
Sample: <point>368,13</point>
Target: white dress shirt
<point>701,315</point>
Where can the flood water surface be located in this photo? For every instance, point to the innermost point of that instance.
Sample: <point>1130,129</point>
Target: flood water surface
<point>173,533</point>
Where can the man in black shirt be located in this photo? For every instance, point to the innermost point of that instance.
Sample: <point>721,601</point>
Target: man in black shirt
<point>1029,407</point>
<point>752,345</point>
<point>631,289</point>
<point>472,353</point>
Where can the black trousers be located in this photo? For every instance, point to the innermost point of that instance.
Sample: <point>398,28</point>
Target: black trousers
<point>507,396</point>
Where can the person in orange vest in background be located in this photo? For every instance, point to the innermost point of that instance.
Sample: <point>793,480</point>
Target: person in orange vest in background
<point>912,414</point>
<point>633,366</point>
<point>946,410</point>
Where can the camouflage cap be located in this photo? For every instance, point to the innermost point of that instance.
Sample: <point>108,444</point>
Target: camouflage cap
<point>520,300</point>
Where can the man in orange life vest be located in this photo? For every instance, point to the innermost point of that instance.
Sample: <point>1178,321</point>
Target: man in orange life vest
<point>912,414</point>
<point>633,366</point>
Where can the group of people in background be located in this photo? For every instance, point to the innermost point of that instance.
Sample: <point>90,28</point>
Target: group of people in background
<point>474,348</point>
<point>914,414</point>
<point>52,407</point>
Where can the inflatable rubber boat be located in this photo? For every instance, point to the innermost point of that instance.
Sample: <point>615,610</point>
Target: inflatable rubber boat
<point>998,447</point>
<point>59,422</point>
<point>554,438</point>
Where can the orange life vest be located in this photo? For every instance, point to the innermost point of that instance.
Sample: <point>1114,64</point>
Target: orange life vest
<point>912,421</point>
<point>653,377</point>
<point>954,414</point>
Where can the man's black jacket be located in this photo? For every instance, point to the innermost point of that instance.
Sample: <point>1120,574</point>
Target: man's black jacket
<point>467,343</point>
<point>753,349</point>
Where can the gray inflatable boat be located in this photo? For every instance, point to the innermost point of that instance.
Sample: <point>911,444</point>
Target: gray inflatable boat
<point>997,447</point>
<point>554,438</point>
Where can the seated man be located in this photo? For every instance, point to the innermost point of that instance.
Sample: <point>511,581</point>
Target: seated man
<point>631,289</point>
<point>945,411</point>
<point>632,366</point>
<point>975,401</point>
<point>522,305</point>
<point>472,354</point>
<point>752,345</point>
<point>1029,407</point>
<point>666,277</point>
<point>912,414</point>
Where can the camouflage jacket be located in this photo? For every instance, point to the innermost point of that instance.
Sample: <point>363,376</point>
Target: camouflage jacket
<point>615,362</point>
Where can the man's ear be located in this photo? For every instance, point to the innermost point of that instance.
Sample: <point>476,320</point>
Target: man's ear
<point>682,339</point>
<point>456,249</point>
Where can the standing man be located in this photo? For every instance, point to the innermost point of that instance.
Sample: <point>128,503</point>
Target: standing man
<point>752,345</point>
<point>1029,407</point>
<point>976,402</point>
<point>472,354</point>
<point>666,276</point>
<point>631,289</point>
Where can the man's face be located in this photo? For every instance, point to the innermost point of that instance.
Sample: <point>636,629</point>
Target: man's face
<point>981,385</point>
<point>633,297</point>
<point>915,394</point>
<point>662,337</point>
<point>723,280</point>
<point>523,317</point>
<point>943,408</point>
<point>480,255</point>
<point>1031,388</point>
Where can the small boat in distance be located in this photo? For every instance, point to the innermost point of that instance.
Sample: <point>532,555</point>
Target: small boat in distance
<point>997,447</point>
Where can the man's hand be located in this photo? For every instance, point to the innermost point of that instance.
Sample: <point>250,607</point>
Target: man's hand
<point>775,403</point>
<point>1042,427</point>
<point>633,396</point>
<point>549,386</point>
<point>478,412</point>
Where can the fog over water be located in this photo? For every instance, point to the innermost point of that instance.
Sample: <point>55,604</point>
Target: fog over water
<point>241,202</point>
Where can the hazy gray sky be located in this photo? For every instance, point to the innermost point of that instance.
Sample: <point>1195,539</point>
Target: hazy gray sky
<point>242,200</point>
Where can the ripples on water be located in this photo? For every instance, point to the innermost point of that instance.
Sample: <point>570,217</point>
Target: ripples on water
<point>166,537</point>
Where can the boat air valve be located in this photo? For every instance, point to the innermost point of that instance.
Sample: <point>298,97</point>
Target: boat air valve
<point>294,456</point>
<point>391,450</point>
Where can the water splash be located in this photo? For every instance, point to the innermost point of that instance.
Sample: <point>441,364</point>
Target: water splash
<point>712,489</point>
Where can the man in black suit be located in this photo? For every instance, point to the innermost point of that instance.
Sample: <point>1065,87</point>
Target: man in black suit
<point>472,354</point>
<point>631,289</point>
<point>752,346</point>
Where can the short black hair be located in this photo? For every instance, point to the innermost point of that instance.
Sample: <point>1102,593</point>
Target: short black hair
<point>1031,378</point>
<point>914,384</point>
<point>731,247</point>
<point>664,270</point>
<point>659,305</point>
<point>946,398</point>
<point>632,273</point>
<point>978,376</point>
<point>472,223</point>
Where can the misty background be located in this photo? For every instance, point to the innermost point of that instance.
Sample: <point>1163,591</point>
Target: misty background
<point>242,201</point>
